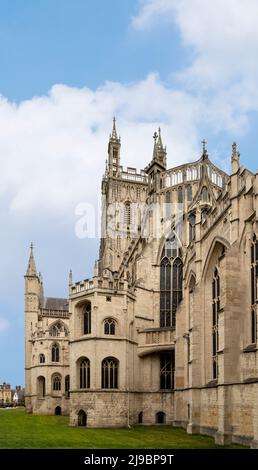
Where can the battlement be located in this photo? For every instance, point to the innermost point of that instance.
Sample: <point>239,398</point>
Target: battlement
<point>100,283</point>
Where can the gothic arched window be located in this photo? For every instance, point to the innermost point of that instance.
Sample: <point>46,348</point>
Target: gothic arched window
<point>42,358</point>
<point>57,328</point>
<point>56,383</point>
<point>87,319</point>
<point>84,373</point>
<point>55,353</point>
<point>109,326</point>
<point>109,377</point>
<point>165,293</point>
<point>215,322</point>
<point>171,288</point>
<point>254,276</point>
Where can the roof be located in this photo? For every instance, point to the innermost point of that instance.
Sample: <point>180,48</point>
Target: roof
<point>54,303</point>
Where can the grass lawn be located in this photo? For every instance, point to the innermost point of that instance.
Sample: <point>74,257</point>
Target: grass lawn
<point>21,431</point>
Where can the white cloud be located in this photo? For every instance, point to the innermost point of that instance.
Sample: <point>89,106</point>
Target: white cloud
<point>4,325</point>
<point>53,148</point>
<point>223,37</point>
<point>151,10</point>
<point>222,76</point>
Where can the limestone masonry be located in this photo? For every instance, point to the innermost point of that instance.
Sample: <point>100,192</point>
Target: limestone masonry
<point>166,330</point>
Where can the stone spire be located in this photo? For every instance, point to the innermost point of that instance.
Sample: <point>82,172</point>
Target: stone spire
<point>204,149</point>
<point>235,158</point>
<point>31,270</point>
<point>159,151</point>
<point>159,141</point>
<point>114,133</point>
<point>114,152</point>
<point>70,278</point>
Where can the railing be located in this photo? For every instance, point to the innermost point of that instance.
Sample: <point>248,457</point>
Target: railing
<point>134,177</point>
<point>155,339</point>
<point>156,336</point>
<point>45,312</point>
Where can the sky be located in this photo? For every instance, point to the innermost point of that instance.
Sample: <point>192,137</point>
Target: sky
<point>66,68</point>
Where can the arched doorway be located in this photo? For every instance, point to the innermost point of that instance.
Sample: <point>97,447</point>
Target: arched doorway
<point>58,411</point>
<point>160,418</point>
<point>82,418</point>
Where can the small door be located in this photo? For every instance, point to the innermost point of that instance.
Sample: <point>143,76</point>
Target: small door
<point>82,418</point>
<point>58,411</point>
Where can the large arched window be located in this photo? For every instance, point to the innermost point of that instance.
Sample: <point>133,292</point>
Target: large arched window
<point>42,358</point>
<point>55,353</point>
<point>109,326</point>
<point>171,289</point>
<point>254,276</point>
<point>215,322</point>
<point>109,373</point>
<point>56,383</point>
<point>41,383</point>
<point>165,293</point>
<point>87,319</point>
<point>84,366</point>
<point>57,329</point>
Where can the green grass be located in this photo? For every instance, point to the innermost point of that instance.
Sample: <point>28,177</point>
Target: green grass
<point>22,431</point>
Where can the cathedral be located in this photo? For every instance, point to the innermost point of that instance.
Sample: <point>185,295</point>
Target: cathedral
<point>165,332</point>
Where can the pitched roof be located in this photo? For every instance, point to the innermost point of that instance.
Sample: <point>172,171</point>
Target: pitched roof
<point>53,303</point>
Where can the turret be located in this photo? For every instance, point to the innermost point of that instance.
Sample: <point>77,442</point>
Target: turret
<point>33,292</point>
<point>158,163</point>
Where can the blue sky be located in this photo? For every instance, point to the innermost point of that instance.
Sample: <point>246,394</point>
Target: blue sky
<point>80,42</point>
<point>67,66</point>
